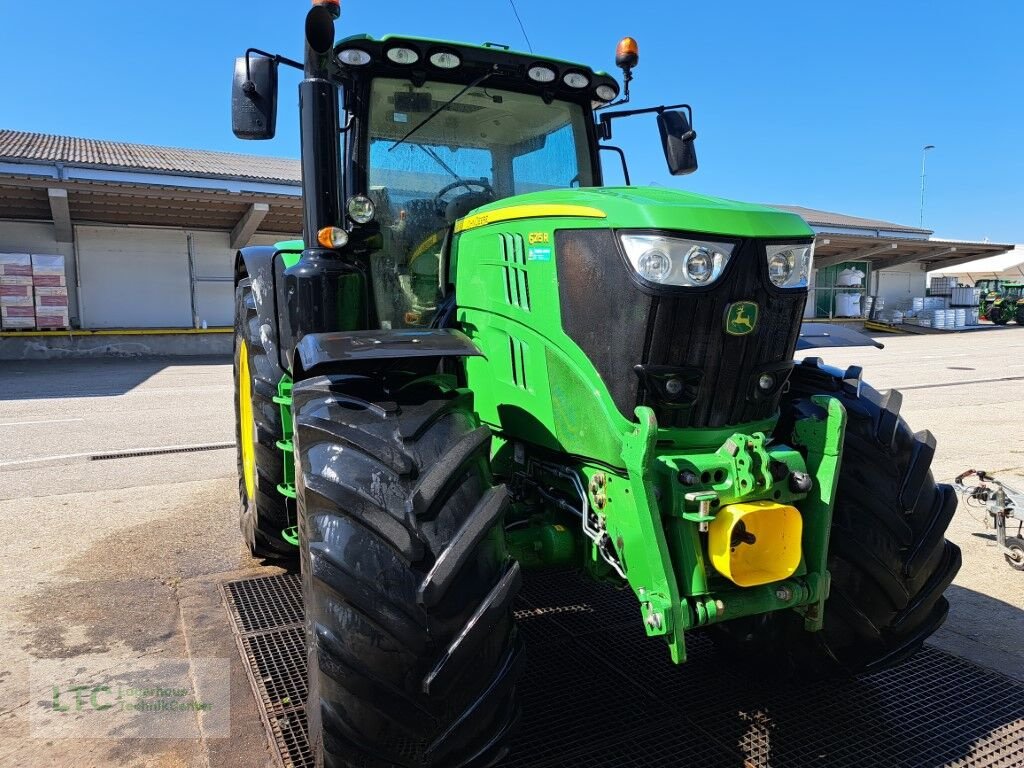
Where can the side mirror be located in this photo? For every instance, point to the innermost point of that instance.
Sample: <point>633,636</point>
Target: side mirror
<point>254,98</point>
<point>677,137</point>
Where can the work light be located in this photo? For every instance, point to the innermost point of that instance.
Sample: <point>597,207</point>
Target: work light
<point>361,209</point>
<point>445,60</point>
<point>541,74</point>
<point>403,55</point>
<point>676,261</point>
<point>353,57</point>
<point>575,79</point>
<point>789,265</point>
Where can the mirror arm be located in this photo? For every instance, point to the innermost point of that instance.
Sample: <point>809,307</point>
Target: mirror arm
<point>622,157</point>
<point>604,126</point>
<point>276,58</point>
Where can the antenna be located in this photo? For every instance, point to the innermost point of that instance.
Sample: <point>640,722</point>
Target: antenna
<point>521,27</point>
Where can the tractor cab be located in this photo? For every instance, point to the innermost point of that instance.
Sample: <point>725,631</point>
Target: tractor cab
<point>434,150</point>
<point>403,136</point>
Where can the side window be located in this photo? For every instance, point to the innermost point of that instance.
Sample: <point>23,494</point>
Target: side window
<point>550,161</point>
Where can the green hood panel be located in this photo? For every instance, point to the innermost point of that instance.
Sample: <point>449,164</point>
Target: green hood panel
<point>663,208</point>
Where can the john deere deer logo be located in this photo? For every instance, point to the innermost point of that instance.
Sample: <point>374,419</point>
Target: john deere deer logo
<point>741,318</point>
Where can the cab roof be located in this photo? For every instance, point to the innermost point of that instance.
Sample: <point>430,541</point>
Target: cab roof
<point>507,67</point>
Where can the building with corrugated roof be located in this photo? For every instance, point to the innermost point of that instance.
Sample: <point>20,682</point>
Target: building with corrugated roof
<point>148,233</point>
<point>892,260</point>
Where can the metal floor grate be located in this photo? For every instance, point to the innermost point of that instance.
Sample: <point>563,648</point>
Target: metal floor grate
<point>598,692</point>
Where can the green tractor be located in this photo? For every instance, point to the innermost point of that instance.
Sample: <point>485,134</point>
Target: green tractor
<point>1001,301</point>
<point>480,361</point>
<point>1007,304</point>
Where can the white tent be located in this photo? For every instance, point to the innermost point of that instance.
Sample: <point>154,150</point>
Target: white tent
<point>1005,266</point>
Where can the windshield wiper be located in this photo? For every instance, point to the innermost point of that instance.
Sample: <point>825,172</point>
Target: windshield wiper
<point>437,159</point>
<point>439,110</point>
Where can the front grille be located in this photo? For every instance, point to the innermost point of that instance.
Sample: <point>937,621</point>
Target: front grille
<point>620,326</point>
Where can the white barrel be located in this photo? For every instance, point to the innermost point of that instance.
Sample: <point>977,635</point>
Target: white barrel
<point>960,318</point>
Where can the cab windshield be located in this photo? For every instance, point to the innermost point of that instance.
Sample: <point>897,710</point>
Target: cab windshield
<point>487,145</point>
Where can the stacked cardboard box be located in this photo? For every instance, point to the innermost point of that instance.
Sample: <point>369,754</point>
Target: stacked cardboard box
<point>51,293</point>
<point>16,306</point>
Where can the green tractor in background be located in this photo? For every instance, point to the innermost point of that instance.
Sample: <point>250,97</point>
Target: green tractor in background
<point>1007,305</point>
<point>480,360</point>
<point>1001,301</point>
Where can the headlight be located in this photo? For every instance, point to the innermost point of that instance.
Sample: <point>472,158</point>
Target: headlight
<point>789,266</point>
<point>676,261</point>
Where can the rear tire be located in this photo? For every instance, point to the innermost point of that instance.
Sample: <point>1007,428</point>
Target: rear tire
<point>264,513</point>
<point>1020,316</point>
<point>888,557</point>
<point>411,648</point>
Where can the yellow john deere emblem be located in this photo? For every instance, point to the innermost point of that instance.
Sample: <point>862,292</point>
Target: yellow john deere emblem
<point>741,318</point>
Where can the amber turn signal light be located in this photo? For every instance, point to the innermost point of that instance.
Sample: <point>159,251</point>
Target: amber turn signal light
<point>332,237</point>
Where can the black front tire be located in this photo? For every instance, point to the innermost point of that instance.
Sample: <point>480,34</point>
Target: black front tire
<point>411,648</point>
<point>262,517</point>
<point>998,315</point>
<point>888,556</point>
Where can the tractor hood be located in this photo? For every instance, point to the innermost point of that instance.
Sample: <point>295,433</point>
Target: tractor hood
<point>655,208</point>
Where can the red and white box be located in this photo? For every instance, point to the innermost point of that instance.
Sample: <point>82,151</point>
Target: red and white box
<point>15,265</point>
<point>49,296</point>
<point>17,317</point>
<point>52,317</point>
<point>48,270</point>
<point>16,280</point>
<point>53,281</point>
<point>15,295</point>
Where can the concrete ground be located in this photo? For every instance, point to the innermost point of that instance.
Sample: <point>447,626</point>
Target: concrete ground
<point>116,563</point>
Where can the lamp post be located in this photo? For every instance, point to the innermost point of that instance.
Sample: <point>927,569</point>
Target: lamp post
<point>924,155</point>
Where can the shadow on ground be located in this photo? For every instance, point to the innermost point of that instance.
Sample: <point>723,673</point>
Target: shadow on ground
<point>106,377</point>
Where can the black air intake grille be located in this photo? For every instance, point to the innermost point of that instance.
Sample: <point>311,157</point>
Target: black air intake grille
<point>618,325</point>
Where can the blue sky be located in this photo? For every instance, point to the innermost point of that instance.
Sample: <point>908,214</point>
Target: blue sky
<point>823,104</point>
